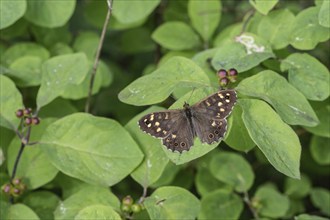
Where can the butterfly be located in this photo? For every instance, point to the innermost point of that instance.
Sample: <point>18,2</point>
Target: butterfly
<point>206,120</point>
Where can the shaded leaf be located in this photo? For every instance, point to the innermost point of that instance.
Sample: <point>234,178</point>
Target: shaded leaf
<point>324,16</point>
<point>320,150</point>
<point>10,12</point>
<point>309,217</point>
<point>263,6</point>
<point>321,199</point>
<point>322,110</point>
<point>297,188</point>
<point>97,212</point>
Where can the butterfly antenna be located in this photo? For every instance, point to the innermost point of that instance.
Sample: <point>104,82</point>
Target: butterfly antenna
<point>191,94</point>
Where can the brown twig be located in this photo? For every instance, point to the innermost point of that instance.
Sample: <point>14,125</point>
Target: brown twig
<point>97,56</point>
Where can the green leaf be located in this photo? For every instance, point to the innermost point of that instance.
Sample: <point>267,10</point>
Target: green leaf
<point>155,160</point>
<point>296,206</point>
<point>97,212</point>
<point>237,129</point>
<point>50,36</point>
<point>321,199</point>
<point>176,35</point>
<point>43,203</point>
<point>34,166</point>
<point>20,211</point>
<point>10,101</point>
<point>277,140</point>
<point>320,150</point>
<point>308,75</point>
<point>170,172</point>
<point>245,53</point>
<point>322,110</point>
<point>10,12</point>
<point>297,188</point>
<point>272,203</point>
<point>306,32</point>
<point>232,169</point>
<point>289,103</point>
<point>263,6</point>
<point>59,73</point>
<point>275,28</point>
<point>309,217</point>
<point>172,203</point>
<point>221,204</point>
<point>206,183</point>
<point>87,197</point>
<point>139,41</point>
<point>134,10</point>
<point>26,71</point>
<point>157,86</point>
<point>103,78</point>
<point>87,42</point>
<point>205,17</point>
<point>104,157</point>
<point>57,109</point>
<point>20,50</point>
<point>324,16</point>
<point>227,35</point>
<point>50,13</point>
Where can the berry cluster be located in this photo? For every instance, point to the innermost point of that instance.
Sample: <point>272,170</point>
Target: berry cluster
<point>26,115</point>
<point>227,76</point>
<point>15,189</point>
<point>128,206</point>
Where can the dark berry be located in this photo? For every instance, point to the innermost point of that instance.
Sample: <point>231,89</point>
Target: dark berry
<point>224,81</point>
<point>6,188</point>
<point>232,72</point>
<point>16,181</point>
<point>35,120</point>
<point>28,121</point>
<point>17,191</point>
<point>222,73</point>
<point>127,200</point>
<point>136,208</point>
<point>19,113</point>
<point>27,111</point>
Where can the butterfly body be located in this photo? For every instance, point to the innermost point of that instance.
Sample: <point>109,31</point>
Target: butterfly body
<point>205,120</point>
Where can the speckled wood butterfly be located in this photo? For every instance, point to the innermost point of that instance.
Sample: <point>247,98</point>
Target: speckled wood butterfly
<point>205,119</point>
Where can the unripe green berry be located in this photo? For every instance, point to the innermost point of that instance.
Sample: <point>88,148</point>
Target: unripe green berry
<point>136,208</point>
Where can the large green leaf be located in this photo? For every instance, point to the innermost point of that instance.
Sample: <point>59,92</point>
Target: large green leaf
<point>10,12</point>
<point>176,35</point>
<point>93,149</point>
<point>306,32</point>
<point>309,217</point>
<point>263,6</point>
<point>10,101</point>
<point>272,203</point>
<point>130,11</point>
<point>275,27</point>
<point>321,199</point>
<point>156,87</point>
<point>205,16</point>
<point>324,16</point>
<point>155,160</point>
<point>232,169</point>
<point>277,140</point>
<point>172,203</point>
<point>87,197</point>
<point>308,75</point>
<point>34,166</point>
<point>221,204</point>
<point>20,212</point>
<point>289,103</point>
<point>43,203</point>
<point>245,53</point>
<point>87,42</point>
<point>320,149</point>
<point>97,212</point>
<point>59,73</point>
<point>50,13</point>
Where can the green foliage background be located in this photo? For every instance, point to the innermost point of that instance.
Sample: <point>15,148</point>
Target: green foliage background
<point>273,163</point>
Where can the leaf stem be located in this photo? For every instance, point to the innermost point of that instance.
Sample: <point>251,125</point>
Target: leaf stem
<point>247,200</point>
<point>97,56</point>
<point>144,194</point>
<point>250,15</point>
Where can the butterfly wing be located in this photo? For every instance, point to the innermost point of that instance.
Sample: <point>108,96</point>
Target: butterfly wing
<point>171,126</point>
<point>209,115</point>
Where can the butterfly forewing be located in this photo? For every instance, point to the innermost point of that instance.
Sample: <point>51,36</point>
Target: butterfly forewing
<point>209,115</point>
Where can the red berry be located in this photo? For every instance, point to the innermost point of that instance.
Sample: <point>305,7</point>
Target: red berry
<point>232,72</point>
<point>28,121</point>
<point>35,120</point>
<point>19,113</point>
<point>222,73</point>
<point>224,81</point>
